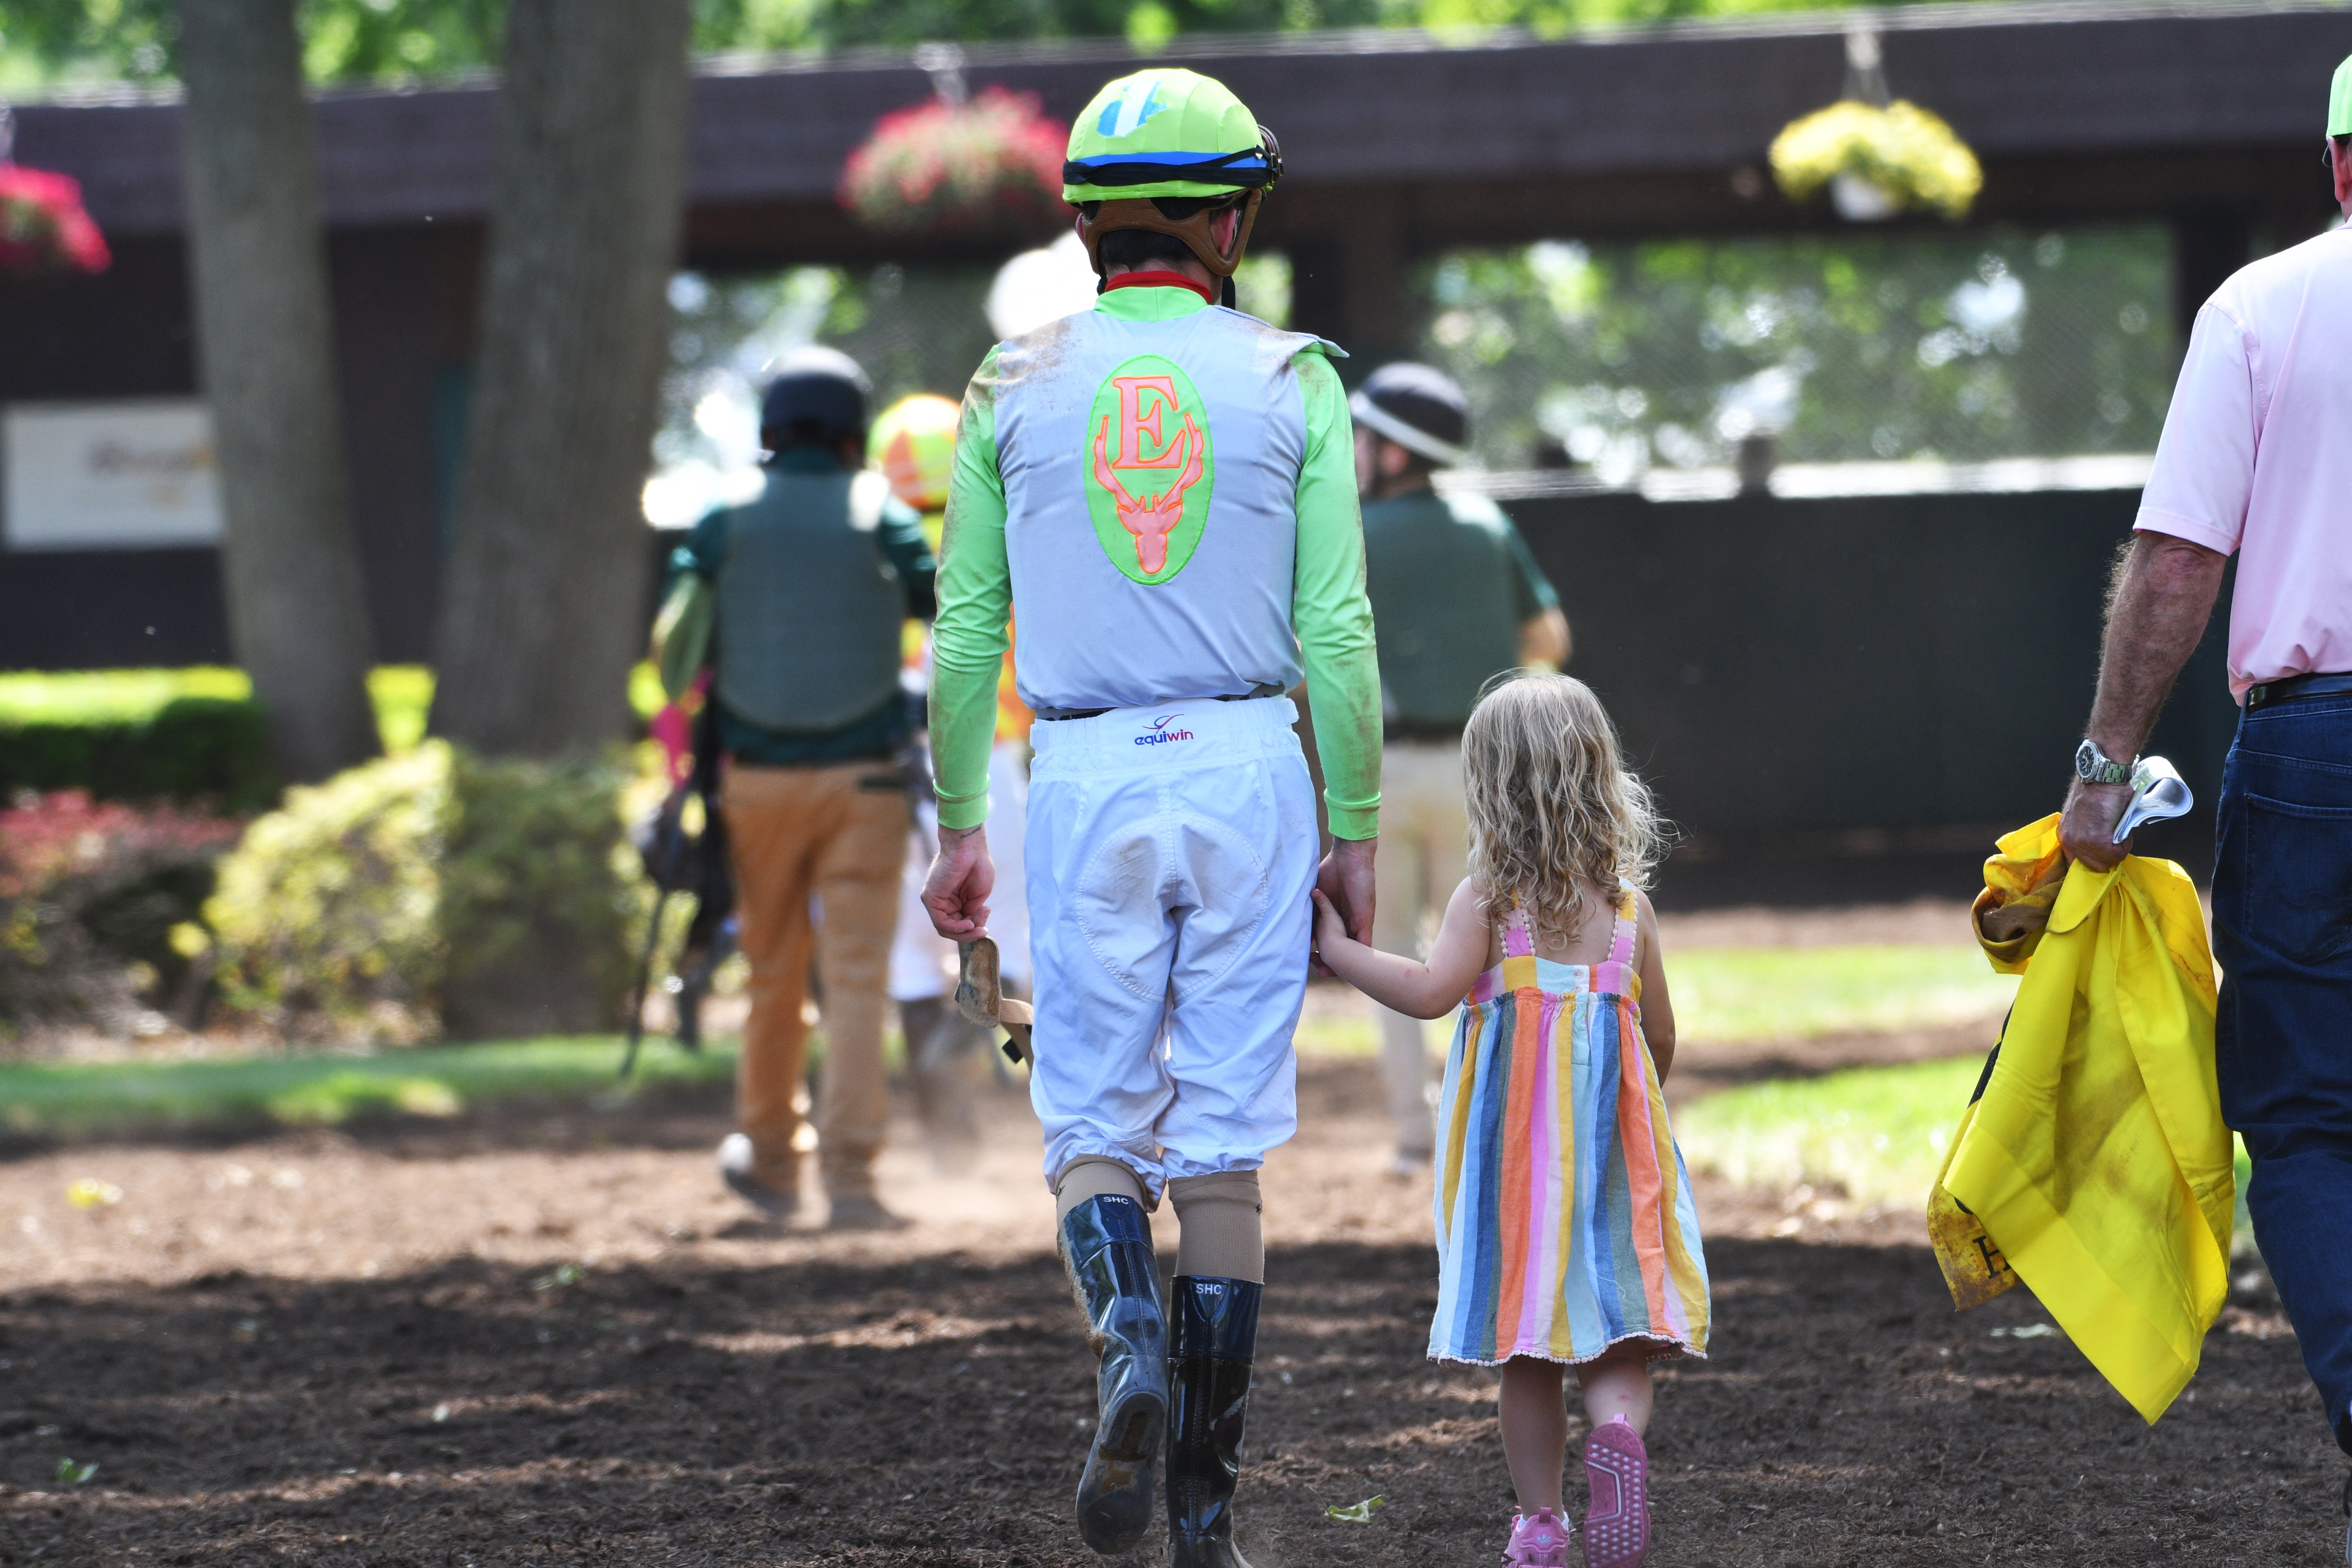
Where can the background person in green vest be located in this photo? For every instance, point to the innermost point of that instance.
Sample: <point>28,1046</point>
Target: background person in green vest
<point>812,582</point>
<point>1457,600</point>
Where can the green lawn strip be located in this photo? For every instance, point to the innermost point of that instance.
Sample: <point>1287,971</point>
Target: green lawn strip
<point>1878,1132</point>
<point>1777,994</point>
<point>1784,993</point>
<point>87,1099</point>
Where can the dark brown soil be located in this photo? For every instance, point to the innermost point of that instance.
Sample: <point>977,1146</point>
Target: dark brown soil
<point>366,1351</point>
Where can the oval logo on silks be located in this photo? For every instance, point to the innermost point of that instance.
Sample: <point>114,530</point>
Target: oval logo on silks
<point>1150,468</point>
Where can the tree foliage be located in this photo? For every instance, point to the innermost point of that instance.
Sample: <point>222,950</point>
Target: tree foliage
<point>389,41</point>
<point>1996,343</point>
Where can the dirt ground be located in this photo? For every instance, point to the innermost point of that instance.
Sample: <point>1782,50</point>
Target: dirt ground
<point>550,1339</point>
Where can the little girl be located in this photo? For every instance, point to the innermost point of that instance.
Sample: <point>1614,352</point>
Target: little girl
<point>1565,1230</point>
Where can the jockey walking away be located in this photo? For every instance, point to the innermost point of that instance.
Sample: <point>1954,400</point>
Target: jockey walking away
<point>1162,491</point>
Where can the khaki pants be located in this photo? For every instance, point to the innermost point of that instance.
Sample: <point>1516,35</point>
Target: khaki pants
<point>837,834</point>
<point>1424,854</point>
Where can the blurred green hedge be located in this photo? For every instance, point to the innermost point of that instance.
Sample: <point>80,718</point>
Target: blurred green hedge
<point>210,749</point>
<point>192,735</point>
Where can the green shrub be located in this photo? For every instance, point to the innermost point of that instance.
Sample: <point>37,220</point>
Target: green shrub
<point>538,896</point>
<point>432,892</point>
<point>209,748</point>
<point>327,915</point>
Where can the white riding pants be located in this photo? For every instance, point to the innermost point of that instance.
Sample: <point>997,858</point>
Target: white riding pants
<point>1170,852</point>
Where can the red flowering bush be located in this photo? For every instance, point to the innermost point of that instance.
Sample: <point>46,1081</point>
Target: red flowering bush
<point>90,896</point>
<point>44,227</point>
<point>990,165</point>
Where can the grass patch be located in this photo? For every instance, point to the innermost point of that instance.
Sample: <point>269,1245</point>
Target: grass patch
<point>1878,1132</point>
<point>1349,1036</point>
<point>88,1099</point>
<point>1777,994</point>
<point>1785,992</point>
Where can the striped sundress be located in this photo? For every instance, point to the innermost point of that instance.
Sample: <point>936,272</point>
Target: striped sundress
<point>1564,1215</point>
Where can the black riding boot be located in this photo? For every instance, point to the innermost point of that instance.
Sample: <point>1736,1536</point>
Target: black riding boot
<point>1215,1334</point>
<point>1106,1247</point>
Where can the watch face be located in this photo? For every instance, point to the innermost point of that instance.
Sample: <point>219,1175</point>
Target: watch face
<point>2094,766</point>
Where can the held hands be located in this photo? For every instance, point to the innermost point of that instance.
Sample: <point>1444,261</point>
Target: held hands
<point>1343,887</point>
<point>1331,931</point>
<point>956,892</point>
<point>2086,832</point>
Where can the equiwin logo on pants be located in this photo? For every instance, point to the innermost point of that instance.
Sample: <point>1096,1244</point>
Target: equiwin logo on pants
<point>1160,734</point>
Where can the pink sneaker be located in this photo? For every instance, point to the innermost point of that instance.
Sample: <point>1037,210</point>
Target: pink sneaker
<point>1541,1542</point>
<point>1617,1521</point>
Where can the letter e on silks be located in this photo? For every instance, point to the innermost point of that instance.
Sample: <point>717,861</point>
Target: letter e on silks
<point>1149,469</point>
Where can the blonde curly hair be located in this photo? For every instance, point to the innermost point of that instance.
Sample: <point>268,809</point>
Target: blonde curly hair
<point>1551,804</point>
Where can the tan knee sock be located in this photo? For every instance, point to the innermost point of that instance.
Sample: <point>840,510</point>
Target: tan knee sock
<point>1223,1236</point>
<point>1093,1176</point>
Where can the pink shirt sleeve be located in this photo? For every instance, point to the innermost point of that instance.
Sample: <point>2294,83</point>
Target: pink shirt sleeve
<point>2204,468</point>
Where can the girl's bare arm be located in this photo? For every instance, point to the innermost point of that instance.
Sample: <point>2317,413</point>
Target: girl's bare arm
<point>1417,990</point>
<point>1657,1008</point>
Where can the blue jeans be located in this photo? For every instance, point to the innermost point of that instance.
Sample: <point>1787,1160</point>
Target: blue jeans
<point>2283,932</point>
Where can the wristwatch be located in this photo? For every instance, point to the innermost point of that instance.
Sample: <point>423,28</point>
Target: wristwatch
<point>2092,766</point>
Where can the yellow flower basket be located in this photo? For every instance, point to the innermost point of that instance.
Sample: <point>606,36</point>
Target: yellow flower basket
<point>1906,155</point>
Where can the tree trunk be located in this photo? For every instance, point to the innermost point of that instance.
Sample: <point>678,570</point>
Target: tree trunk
<point>543,605</point>
<point>297,615</point>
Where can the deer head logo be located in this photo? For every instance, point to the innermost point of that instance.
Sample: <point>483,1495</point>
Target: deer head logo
<point>1148,456</point>
<point>1150,518</point>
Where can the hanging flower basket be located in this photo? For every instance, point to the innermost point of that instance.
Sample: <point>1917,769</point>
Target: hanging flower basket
<point>993,165</point>
<point>1878,162</point>
<point>43,226</point>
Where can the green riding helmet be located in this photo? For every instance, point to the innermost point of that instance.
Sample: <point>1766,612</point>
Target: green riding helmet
<point>1167,134</point>
<point>1156,144</point>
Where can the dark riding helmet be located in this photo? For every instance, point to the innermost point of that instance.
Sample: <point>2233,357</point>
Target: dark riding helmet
<point>819,394</point>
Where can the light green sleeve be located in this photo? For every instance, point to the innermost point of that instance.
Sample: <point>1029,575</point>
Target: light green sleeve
<point>975,595</point>
<point>1329,609</point>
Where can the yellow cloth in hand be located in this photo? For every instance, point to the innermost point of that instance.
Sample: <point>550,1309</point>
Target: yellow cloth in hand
<point>2097,1161</point>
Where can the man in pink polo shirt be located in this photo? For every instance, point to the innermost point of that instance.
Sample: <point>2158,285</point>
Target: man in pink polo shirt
<point>2256,459</point>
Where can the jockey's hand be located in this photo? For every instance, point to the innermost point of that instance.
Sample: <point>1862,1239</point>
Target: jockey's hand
<point>1345,879</point>
<point>961,877</point>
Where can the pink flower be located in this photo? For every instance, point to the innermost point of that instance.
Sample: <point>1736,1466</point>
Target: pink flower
<point>53,835</point>
<point>44,228</point>
<point>993,164</point>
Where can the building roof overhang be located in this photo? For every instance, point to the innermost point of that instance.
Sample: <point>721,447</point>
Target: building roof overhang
<point>2077,108</point>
